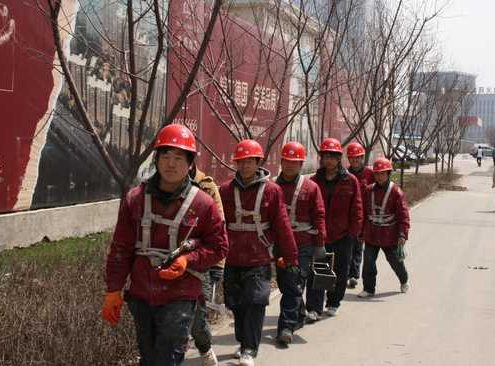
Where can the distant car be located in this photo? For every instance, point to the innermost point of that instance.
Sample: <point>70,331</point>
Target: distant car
<point>401,151</point>
<point>417,152</point>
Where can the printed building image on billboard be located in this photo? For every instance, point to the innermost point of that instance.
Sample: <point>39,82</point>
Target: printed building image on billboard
<point>244,88</point>
<point>49,158</point>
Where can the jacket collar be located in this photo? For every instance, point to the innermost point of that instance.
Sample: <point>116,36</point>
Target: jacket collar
<point>262,175</point>
<point>153,188</point>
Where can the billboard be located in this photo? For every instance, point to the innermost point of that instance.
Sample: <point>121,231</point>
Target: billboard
<point>47,156</point>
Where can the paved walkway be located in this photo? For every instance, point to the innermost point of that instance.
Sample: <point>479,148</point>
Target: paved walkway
<point>448,317</point>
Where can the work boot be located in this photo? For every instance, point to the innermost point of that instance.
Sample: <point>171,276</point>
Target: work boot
<point>238,353</point>
<point>364,294</point>
<point>285,336</point>
<point>404,287</point>
<point>209,358</point>
<point>247,358</point>
<point>352,283</point>
<point>312,317</point>
<point>332,311</point>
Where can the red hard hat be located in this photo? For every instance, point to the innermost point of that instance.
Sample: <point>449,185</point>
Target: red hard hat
<point>178,136</point>
<point>248,149</point>
<point>354,150</point>
<point>293,151</point>
<point>382,165</point>
<point>330,145</point>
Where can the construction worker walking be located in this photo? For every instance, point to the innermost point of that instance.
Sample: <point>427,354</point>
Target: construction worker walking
<point>344,217</point>
<point>168,231</point>
<point>200,330</point>
<point>256,217</point>
<point>355,155</point>
<point>386,227</point>
<point>307,217</point>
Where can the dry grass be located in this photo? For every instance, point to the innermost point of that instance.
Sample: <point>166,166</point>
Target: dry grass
<point>50,306</point>
<point>420,186</point>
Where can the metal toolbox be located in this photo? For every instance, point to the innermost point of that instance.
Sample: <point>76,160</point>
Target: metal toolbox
<point>324,277</point>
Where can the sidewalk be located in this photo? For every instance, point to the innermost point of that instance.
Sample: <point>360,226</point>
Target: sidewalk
<point>448,317</point>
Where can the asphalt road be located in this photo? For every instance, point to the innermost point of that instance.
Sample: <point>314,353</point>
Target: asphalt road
<point>447,318</point>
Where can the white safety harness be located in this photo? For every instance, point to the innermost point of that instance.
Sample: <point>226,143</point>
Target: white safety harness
<point>298,226</point>
<point>258,225</point>
<point>378,217</point>
<point>143,247</point>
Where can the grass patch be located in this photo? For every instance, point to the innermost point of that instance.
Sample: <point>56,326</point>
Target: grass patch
<point>50,305</point>
<point>419,186</point>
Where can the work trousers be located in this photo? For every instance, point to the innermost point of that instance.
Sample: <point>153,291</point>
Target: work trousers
<point>356,258</point>
<point>200,330</point>
<point>162,331</point>
<point>369,265</point>
<point>342,257</point>
<point>292,285</point>
<point>247,293</point>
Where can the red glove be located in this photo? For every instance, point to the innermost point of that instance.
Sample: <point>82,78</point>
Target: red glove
<point>176,269</point>
<point>111,307</point>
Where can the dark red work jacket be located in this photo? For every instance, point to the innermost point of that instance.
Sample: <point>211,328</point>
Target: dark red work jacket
<point>310,208</point>
<point>343,209</point>
<point>122,261</point>
<point>396,210</point>
<point>246,249</point>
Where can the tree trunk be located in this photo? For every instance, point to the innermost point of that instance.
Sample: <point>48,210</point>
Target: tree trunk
<point>402,173</point>
<point>436,162</point>
<point>367,154</point>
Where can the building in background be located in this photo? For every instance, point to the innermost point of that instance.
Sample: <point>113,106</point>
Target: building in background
<point>483,108</point>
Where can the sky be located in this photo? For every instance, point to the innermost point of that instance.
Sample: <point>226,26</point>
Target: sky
<point>466,31</point>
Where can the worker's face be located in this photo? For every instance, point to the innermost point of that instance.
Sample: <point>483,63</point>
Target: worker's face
<point>290,169</point>
<point>356,162</point>
<point>382,177</point>
<point>247,168</point>
<point>173,166</point>
<point>330,161</point>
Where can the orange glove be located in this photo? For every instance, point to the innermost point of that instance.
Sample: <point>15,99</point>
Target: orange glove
<point>281,263</point>
<point>176,269</point>
<point>111,307</point>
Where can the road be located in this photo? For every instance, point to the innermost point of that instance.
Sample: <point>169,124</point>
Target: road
<point>447,318</point>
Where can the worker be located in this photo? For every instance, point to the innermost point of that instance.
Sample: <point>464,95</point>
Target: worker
<point>386,227</point>
<point>167,232</point>
<point>256,219</point>
<point>200,330</point>
<point>355,154</point>
<point>307,217</point>
<point>343,218</point>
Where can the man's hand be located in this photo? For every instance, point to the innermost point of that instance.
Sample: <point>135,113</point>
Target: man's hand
<point>111,307</point>
<point>175,270</point>
<point>287,266</point>
<point>401,253</point>
<point>320,253</point>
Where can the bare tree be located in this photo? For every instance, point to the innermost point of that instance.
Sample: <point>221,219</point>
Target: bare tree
<point>121,57</point>
<point>378,71</point>
<point>273,81</point>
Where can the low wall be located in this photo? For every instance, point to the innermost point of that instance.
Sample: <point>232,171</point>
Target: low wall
<point>22,229</point>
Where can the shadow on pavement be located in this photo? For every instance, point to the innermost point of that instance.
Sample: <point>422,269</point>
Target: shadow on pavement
<point>488,212</point>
